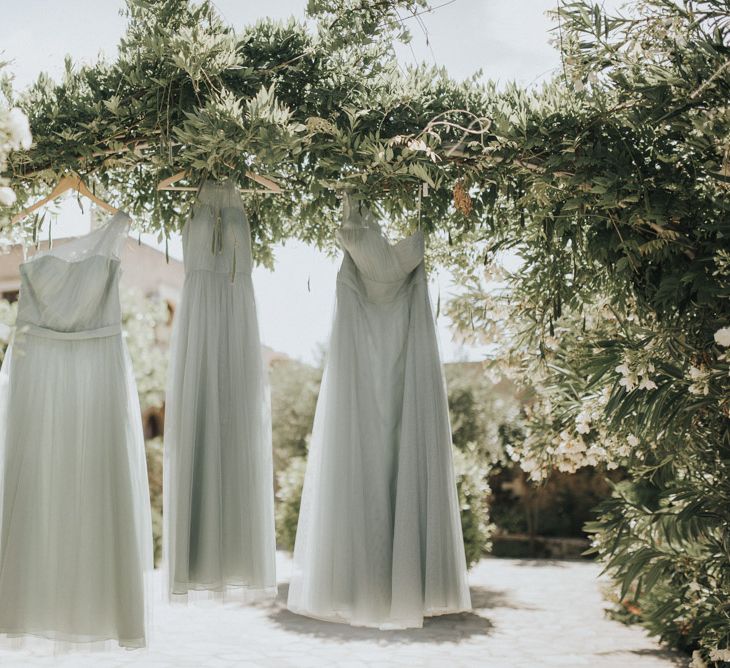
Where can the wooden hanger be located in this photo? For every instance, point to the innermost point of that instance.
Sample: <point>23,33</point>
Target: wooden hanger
<point>270,187</point>
<point>71,181</point>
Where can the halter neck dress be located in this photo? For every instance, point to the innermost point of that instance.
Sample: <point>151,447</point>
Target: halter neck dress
<point>219,503</point>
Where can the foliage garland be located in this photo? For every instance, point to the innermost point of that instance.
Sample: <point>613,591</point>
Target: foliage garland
<point>312,111</point>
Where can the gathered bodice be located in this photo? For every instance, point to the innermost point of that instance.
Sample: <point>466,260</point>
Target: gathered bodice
<point>73,288</point>
<point>217,237</point>
<point>381,268</point>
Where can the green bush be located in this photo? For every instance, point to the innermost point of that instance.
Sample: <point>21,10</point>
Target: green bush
<point>558,507</point>
<point>153,448</point>
<point>618,317</point>
<point>294,391</point>
<point>473,489</point>
<point>290,482</point>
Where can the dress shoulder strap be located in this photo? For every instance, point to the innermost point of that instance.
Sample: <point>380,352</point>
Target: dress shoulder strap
<point>112,236</point>
<point>107,240</point>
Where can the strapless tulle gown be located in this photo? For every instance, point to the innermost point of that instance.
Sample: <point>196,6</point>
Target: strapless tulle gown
<point>379,539</point>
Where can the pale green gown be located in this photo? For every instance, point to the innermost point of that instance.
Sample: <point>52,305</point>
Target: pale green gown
<point>75,531</point>
<point>379,539</point>
<point>219,494</point>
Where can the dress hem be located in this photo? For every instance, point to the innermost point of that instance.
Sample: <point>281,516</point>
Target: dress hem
<point>71,639</point>
<point>392,625</point>
<point>232,592</point>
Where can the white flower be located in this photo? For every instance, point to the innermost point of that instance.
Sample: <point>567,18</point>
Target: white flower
<point>583,422</point>
<point>632,440</point>
<point>629,382</point>
<point>7,197</point>
<point>700,381</point>
<point>720,654</point>
<point>551,342</point>
<point>647,384</point>
<point>528,465</point>
<point>722,337</point>
<point>18,127</point>
<point>630,378</point>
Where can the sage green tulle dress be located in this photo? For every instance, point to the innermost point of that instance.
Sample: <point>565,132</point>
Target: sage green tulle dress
<point>219,503</point>
<point>75,530</point>
<point>379,540</point>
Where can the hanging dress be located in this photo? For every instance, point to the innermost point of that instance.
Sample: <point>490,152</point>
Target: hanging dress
<point>379,539</point>
<point>219,498</point>
<point>75,530</point>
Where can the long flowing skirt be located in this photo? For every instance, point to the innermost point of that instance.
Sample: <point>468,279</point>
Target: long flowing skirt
<point>75,531</point>
<point>379,539</point>
<point>219,515</point>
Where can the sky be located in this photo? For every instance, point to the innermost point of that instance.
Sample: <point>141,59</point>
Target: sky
<point>504,39</point>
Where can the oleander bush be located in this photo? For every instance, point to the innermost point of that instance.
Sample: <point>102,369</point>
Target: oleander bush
<point>294,390</point>
<point>617,320</point>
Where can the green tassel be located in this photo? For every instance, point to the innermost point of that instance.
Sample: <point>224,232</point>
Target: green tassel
<point>220,232</point>
<point>217,246</point>
<point>233,268</point>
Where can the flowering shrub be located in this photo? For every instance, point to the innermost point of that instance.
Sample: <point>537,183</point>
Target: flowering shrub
<point>8,314</point>
<point>617,321</point>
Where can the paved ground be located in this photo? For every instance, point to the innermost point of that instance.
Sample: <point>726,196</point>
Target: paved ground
<point>526,614</point>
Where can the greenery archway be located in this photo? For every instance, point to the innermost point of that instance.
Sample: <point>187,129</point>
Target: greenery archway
<point>610,181</point>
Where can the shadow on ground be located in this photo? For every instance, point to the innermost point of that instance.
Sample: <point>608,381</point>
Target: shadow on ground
<point>669,655</point>
<point>442,629</point>
<point>484,599</point>
<point>544,563</point>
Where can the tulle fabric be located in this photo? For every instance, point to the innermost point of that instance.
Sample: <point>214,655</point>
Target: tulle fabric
<point>379,539</point>
<point>75,529</point>
<point>219,515</point>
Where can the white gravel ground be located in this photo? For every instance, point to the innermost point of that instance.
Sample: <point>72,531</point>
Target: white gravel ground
<point>526,614</point>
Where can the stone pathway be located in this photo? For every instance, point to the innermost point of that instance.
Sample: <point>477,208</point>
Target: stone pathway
<point>526,614</point>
